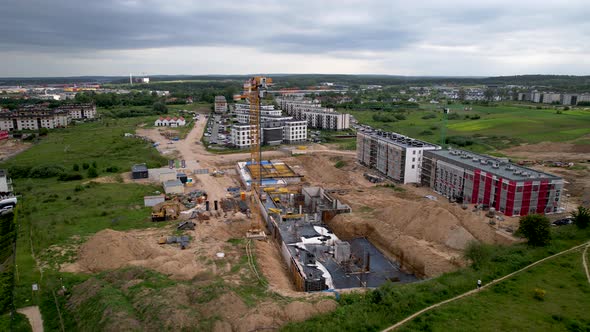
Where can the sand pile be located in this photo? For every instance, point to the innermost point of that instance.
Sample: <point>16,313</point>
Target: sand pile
<point>109,250</point>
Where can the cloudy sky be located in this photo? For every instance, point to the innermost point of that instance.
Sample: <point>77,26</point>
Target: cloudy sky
<point>420,37</point>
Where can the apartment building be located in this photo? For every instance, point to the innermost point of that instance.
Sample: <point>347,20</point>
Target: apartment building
<point>33,118</point>
<point>396,156</point>
<point>274,132</point>
<point>295,132</point>
<point>80,111</point>
<point>317,117</point>
<point>240,135</point>
<point>242,112</point>
<point>472,178</point>
<point>220,104</point>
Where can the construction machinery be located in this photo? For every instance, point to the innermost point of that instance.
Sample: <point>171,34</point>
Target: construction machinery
<point>254,91</point>
<point>169,210</point>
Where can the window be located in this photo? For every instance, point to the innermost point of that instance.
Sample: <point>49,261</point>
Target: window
<point>535,188</point>
<point>414,152</point>
<point>519,189</point>
<point>413,166</point>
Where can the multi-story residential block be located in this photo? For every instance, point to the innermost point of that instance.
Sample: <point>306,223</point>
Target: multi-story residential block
<point>396,156</point>
<point>220,104</point>
<point>240,135</point>
<point>477,179</point>
<point>274,132</point>
<point>80,111</point>
<point>316,116</point>
<point>295,132</point>
<point>33,118</point>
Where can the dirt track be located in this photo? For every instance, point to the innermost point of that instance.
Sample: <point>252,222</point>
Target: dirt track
<point>34,316</point>
<point>493,282</point>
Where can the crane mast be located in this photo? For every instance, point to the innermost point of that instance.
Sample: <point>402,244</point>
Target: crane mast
<point>254,91</point>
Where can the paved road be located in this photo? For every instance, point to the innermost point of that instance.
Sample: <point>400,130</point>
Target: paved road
<point>493,282</point>
<point>34,316</point>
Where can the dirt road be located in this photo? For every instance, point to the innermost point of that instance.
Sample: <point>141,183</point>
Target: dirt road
<point>34,316</point>
<point>493,282</point>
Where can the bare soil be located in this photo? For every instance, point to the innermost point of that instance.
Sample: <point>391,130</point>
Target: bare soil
<point>11,147</point>
<point>556,151</point>
<point>427,237</point>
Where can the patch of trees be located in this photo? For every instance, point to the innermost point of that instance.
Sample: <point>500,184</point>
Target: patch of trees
<point>536,229</point>
<point>383,117</point>
<point>459,141</point>
<point>7,240</point>
<point>429,116</point>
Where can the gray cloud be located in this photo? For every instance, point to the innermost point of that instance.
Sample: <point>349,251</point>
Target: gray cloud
<point>378,33</point>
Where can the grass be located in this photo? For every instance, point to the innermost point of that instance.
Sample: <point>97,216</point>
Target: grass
<point>499,126</point>
<point>512,306</point>
<point>102,142</point>
<point>20,323</point>
<point>375,310</point>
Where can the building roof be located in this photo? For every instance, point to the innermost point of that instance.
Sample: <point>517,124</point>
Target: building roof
<point>172,183</point>
<point>139,168</point>
<point>398,139</point>
<point>501,168</point>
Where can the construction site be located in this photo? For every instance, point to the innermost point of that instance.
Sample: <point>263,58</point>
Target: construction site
<point>292,223</point>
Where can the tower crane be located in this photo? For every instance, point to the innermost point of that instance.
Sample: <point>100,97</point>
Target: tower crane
<point>254,91</point>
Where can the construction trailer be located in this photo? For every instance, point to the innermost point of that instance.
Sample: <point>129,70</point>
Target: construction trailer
<point>139,171</point>
<point>173,187</point>
<point>153,200</point>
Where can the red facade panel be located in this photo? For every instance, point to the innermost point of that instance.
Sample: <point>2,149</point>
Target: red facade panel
<point>475,193</point>
<point>487,189</point>
<point>526,198</point>
<point>510,199</point>
<point>542,203</point>
<point>498,194</point>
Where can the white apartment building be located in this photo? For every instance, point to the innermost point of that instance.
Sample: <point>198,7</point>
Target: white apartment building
<point>220,104</point>
<point>240,135</point>
<point>33,118</point>
<point>80,111</point>
<point>295,131</point>
<point>316,116</point>
<point>396,156</point>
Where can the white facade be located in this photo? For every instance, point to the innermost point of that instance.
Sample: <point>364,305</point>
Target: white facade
<point>170,122</point>
<point>240,136</point>
<point>295,131</point>
<point>80,111</point>
<point>316,116</point>
<point>396,156</point>
<point>220,104</point>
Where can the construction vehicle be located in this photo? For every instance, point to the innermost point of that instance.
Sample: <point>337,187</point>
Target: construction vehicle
<point>169,210</point>
<point>254,90</point>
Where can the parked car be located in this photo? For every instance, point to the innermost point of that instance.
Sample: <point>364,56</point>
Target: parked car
<point>564,221</point>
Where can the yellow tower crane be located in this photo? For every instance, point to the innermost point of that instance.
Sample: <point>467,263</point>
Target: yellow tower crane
<point>254,91</point>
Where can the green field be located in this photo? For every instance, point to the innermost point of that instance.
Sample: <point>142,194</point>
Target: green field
<point>498,127</point>
<point>102,142</point>
<point>62,213</point>
<point>512,306</point>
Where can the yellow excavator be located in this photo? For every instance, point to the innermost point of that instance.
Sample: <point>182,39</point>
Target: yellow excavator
<point>166,211</point>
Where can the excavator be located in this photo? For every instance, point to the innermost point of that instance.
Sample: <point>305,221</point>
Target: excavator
<point>166,211</point>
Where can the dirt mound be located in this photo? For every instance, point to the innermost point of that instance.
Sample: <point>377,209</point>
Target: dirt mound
<point>427,237</point>
<point>298,311</point>
<point>319,169</point>
<point>109,250</point>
